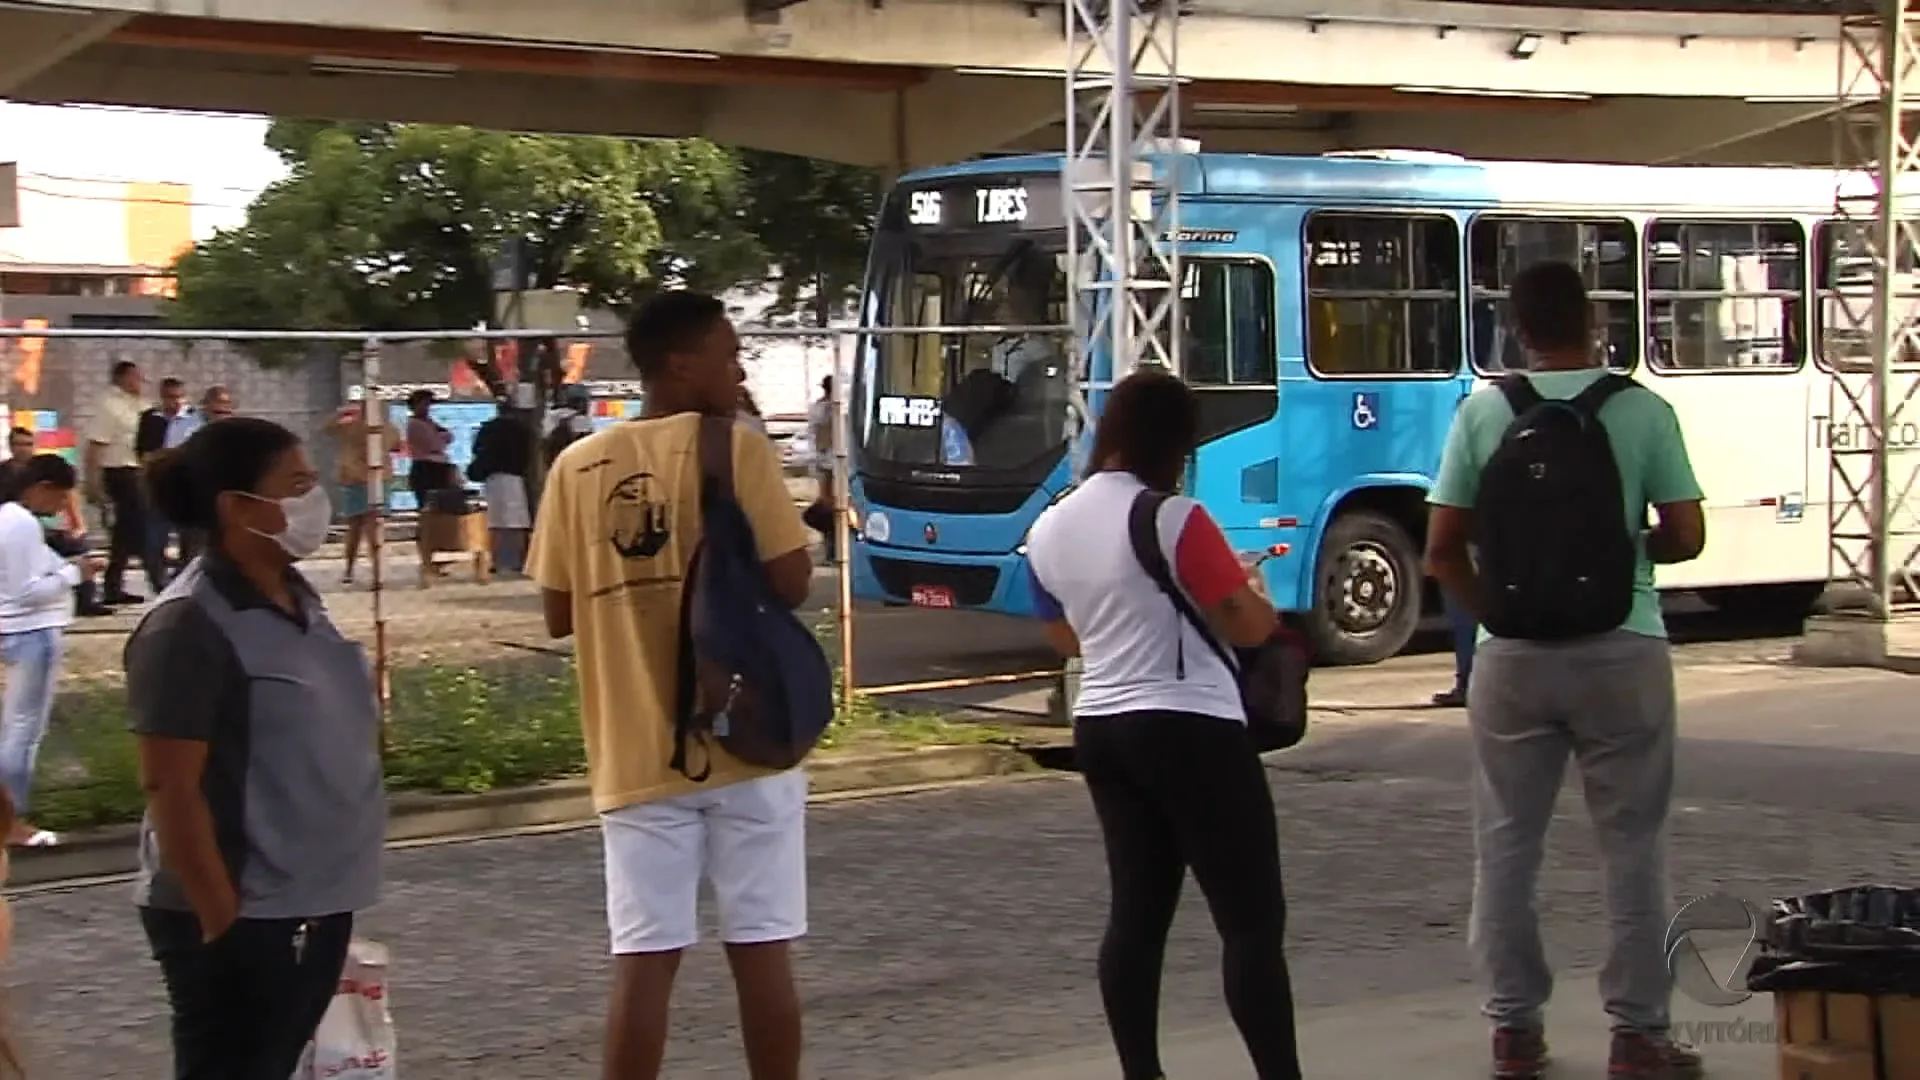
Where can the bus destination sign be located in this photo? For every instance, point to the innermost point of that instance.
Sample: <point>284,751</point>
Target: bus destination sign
<point>1018,203</point>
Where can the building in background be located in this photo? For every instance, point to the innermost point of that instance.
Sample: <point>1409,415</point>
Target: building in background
<point>92,253</point>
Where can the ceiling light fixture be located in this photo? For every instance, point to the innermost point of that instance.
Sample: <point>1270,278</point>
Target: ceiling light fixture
<point>357,65</point>
<point>567,46</point>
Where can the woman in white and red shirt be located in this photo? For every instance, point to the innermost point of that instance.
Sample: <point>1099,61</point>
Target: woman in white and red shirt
<point>1159,732</point>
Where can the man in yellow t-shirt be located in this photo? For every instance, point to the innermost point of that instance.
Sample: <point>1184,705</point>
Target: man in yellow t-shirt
<point>618,521</point>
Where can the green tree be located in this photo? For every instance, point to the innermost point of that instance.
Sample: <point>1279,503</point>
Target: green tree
<point>814,219</point>
<point>697,191</point>
<point>397,226</point>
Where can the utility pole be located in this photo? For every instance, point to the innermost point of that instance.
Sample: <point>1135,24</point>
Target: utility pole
<point>1123,113</point>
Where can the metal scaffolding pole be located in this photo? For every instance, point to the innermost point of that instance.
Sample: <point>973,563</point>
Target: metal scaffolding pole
<point>1123,105</point>
<point>1868,318</point>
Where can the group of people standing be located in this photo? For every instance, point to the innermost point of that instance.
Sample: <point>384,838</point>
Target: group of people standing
<point>47,577</point>
<point>257,722</point>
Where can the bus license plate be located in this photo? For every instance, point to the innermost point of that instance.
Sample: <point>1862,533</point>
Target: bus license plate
<point>932,596</point>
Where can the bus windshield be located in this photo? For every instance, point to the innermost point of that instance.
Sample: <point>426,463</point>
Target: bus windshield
<point>992,400</point>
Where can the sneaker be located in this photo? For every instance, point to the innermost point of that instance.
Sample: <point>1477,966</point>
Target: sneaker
<point>1519,1053</point>
<point>1455,698</point>
<point>1637,1055</point>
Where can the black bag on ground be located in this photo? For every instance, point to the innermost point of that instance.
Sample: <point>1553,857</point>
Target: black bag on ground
<point>1272,675</point>
<point>752,676</point>
<point>1555,558</point>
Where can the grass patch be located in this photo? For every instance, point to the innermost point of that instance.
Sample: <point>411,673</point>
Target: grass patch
<point>451,730</point>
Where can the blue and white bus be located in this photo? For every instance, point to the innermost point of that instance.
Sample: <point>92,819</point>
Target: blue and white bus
<point>1336,310</point>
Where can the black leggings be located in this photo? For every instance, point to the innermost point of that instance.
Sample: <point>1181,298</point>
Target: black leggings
<point>1175,790</point>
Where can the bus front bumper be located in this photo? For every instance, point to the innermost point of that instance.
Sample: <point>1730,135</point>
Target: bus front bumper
<point>996,583</point>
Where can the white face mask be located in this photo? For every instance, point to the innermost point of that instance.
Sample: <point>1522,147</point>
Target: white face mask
<point>308,516</point>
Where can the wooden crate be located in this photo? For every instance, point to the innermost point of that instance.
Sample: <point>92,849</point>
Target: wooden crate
<point>459,535</point>
<point>1847,1036</point>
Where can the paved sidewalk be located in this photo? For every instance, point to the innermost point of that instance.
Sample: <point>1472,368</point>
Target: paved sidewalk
<point>1434,1036</point>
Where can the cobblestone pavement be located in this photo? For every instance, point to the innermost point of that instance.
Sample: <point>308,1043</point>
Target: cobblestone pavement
<point>958,928</point>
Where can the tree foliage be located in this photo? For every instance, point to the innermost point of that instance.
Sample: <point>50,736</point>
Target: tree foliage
<point>397,226</point>
<point>815,220</point>
<point>387,227</point>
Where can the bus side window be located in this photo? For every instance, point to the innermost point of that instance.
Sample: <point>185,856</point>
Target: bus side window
<point>1843,266</point>
<point>1725,295</point>
<point>1383,294</point>
<point>1226,310</point>
<point>1603,249</point>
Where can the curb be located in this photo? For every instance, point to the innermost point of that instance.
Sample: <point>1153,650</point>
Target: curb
<point>412,817</point>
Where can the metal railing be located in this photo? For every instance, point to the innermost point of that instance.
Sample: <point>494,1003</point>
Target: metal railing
<point>395,625</point>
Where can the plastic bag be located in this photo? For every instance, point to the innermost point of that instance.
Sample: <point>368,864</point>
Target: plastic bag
<point>355,1040</point>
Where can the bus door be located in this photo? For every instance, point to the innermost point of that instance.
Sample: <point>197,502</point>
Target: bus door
<point>1228,355</point>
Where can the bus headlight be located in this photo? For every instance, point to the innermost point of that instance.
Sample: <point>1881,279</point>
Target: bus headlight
<point>876,527</point>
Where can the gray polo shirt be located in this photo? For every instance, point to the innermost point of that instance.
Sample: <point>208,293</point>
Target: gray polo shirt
<point>287,708</point>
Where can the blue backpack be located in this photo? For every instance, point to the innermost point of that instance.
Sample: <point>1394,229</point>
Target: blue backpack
<point>752,676</point>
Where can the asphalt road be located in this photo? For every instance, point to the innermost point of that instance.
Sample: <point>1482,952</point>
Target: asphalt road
<point>958,928</point>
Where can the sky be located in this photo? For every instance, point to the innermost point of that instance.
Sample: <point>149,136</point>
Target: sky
<point>220,155</point>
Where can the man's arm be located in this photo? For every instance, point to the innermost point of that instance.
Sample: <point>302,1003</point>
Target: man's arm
<point>1681,531</point>
<point>549,559</point>
<point>760,487</point>
<point>1450,519</point>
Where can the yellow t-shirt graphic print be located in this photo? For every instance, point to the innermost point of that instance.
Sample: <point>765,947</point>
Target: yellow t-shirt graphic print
<point>618,522</point>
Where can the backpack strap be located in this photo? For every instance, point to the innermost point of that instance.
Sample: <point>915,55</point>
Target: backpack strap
<point>714,447</point>
<point>1521,397</point>
<point>1591,400</point>
<point>1143,531</point>
<point>716,456</point>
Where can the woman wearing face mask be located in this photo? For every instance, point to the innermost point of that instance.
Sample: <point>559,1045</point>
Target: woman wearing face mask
<point>259,753</point>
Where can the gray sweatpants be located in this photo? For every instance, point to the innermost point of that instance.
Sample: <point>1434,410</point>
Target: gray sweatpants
<point>1608,703</point>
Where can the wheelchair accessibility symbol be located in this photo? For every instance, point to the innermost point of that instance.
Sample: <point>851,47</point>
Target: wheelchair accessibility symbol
<point>1366,411</point>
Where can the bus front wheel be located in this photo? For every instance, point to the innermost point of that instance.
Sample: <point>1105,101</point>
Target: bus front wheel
<point>1367,587</point>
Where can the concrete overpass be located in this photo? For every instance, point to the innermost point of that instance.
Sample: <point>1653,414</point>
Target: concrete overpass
<point>905,83</point>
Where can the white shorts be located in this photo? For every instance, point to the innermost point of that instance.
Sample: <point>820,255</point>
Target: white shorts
<point>749,839</point>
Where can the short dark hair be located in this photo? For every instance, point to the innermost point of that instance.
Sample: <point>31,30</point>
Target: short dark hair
<point>1148,427</point>
<point>120,369</point>
<point>826,385</point>
<point>21,433</point>
<point>172,383</point>
<point>668,323</point>
<point>50,469</point>
<point>185,482</point>
<point>1550,307</point>
<point>415,399</point>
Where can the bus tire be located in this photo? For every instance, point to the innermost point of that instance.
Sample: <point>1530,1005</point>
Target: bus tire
<point>1367,589</point>
<point>1792,599</point>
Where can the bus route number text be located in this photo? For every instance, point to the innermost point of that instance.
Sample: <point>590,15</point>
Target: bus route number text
<point>923,208</point>
<point>1000,206</point>
<point>916,412</point>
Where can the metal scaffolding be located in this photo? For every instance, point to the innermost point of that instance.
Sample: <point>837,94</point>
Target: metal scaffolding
<point>1868,320</point>
<point>1123,105</point>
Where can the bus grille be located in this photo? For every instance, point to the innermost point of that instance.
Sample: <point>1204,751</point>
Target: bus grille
<point>930,499</point>
<point>972,586</point>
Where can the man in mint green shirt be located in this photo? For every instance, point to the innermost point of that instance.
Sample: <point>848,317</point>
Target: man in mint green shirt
<point>1606,701</point>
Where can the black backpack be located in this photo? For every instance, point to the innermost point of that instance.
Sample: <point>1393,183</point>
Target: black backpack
<point>1554,555</point>
<point>752,675</point>
<point>1272,675</point>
